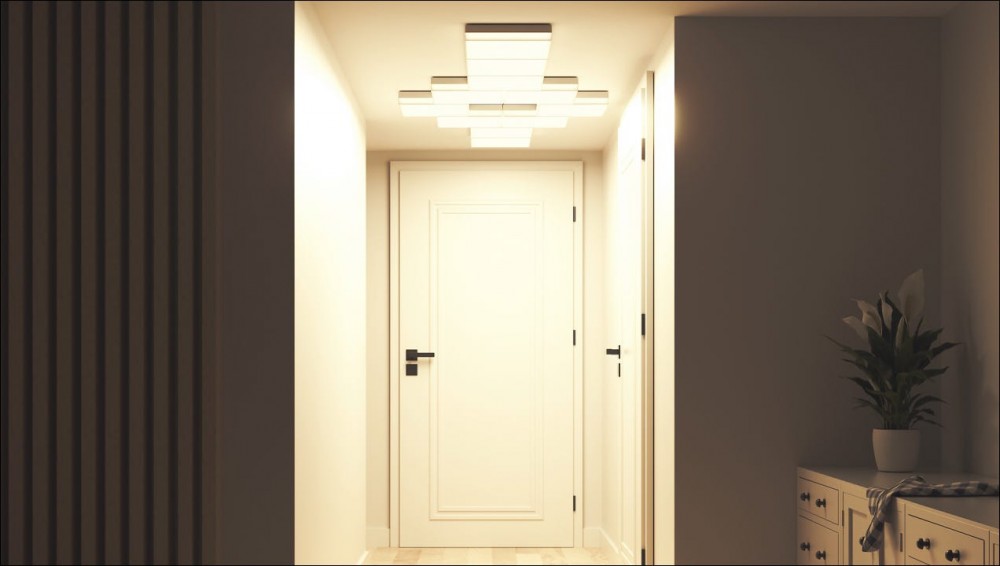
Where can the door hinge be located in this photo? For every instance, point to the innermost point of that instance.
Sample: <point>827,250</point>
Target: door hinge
<point>643,149</point>
<point>643,324</point>
<point>574,504</point>
<point>574,214</point>
<point>574,337</point>
<point>644,557</point>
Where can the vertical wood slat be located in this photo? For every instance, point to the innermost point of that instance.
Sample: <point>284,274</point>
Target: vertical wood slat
<point>205,280</point>
<point>17,266</point>
<point>137,375</point>
<point>109,248</point>
<point>42,164</point>
<point>5,421</point>
<point>183,147</point>
<point>91,376</point>
<point>114,290</point>
<point>64,454</point>
<point>157,67</point>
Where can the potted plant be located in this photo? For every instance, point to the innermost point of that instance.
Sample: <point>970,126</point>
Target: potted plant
<point>893,364</point>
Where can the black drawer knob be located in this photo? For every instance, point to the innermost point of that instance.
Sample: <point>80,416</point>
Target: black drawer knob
<point>861,541</point>
<point>804,546</point>
<point>821,503</point>
<point>952,555</point>
<point>804,496</point>
<point>923,543</point>
<point>821,555</point>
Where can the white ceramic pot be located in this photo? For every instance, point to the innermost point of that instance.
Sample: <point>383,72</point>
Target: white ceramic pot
<point>896,450</point>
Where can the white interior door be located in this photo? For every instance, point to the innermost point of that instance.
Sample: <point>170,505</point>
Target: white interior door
<point>627,309</point>
<point>486,425</point>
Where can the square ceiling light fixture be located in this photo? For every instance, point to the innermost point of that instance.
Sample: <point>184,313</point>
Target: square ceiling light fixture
<point>504,94</point>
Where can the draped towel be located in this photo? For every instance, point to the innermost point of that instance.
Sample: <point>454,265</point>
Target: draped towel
<point>880,500</point>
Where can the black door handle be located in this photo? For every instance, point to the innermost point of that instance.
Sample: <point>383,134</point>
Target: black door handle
<point>615,351</point>
<point>412,355</point>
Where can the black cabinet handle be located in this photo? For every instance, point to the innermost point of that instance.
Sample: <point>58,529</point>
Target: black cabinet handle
<point>804,546</point>
<point>821,555</point>
<point>821,503</point>
<point>615,351</point>
<point>923,543</point>
<point>953,555</point>
<point>412,355</point>
<point>804,496</point>
<point>861,541</point>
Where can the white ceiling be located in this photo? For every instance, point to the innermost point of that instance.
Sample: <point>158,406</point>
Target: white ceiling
<point>385,47</point>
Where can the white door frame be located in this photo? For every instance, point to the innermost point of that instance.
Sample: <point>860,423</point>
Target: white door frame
<point>648,487</point>
<point>395,167</point>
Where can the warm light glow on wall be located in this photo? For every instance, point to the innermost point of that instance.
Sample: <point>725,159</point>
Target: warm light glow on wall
<point>505,88</point>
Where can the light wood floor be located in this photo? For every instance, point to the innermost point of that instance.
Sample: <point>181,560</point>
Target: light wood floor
<point>487,556</point>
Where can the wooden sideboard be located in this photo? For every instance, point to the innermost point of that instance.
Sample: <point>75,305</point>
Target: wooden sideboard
<point>833,516</point>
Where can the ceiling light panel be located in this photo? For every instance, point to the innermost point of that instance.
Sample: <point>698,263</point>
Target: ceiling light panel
<point>501,132</point>
<point>505,83</point>
<point>505,93</point>
<point>501,142</point>
<point>506,67</point>
<point>507,50</point>
<point>502,122</point>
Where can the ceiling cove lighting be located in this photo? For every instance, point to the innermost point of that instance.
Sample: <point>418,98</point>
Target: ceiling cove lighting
<point>504,94</point>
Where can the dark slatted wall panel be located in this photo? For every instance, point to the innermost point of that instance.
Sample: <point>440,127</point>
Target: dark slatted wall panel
<point>108,240</point>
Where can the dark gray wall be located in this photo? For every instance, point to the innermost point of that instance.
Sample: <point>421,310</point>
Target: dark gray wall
<point>970,192</point>
<point>147,282</point>
<point>807,174</point>
<point>256,120</point>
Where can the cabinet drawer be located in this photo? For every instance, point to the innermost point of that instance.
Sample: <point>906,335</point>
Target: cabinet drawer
<point>934,544</point>
<point>819,500</point>
<point>817,544</point>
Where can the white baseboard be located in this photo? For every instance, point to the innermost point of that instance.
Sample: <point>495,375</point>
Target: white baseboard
<point>364,556</point>
<point>611,548</point>
<point>377,537</point>
<point>593,537</point>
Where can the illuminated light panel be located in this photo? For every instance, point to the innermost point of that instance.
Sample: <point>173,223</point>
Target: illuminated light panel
<point>505,94</point>
<point>507,49</point>
<point>501,132</point>
<point>501,142</point>
<point>504,83</point>
<point>502,121</point>
<point>504,97</point>
<point>572,110</point>
<point>506,67</point>
<point>535,121</point>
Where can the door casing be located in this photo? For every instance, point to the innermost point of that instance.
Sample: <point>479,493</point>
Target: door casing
<point>395,167</point>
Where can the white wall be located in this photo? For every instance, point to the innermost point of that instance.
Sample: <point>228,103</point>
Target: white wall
<point>970,252</point>
<point>663,304</point>
<point>611,401</point>
<point>378,324</point>
<point>329,305</point>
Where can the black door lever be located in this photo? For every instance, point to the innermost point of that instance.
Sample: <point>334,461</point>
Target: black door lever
<point>615,351</point>
<point>412,355</point>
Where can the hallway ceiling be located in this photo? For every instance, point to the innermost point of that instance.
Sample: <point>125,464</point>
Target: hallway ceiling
<point>385,47</point>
